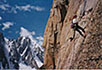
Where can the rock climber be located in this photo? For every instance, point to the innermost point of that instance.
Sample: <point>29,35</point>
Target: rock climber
<point>76,27</point>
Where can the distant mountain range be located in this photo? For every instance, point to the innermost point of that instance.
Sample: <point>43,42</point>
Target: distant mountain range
<point>22,53</point>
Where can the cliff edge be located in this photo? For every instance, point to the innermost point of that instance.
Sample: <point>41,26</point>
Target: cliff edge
<point>81,53</point>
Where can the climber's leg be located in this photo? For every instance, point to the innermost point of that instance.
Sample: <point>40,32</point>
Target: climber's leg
<point>80,28</point>
<point>80,32</point>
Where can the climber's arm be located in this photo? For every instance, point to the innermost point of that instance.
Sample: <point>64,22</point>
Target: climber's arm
<point>74,34</point>
<point>71,38</point>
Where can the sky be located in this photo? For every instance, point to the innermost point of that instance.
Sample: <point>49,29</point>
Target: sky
<point>22,16</point>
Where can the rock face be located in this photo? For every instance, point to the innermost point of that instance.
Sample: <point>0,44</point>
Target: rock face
<point>81,53</point>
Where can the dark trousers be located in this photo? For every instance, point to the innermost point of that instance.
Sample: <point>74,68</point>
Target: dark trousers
<point>78,28</point>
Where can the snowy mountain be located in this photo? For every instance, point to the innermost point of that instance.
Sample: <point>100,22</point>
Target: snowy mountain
<point>23,53</point>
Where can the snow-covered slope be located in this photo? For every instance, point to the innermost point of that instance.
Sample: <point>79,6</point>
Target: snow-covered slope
<point>25,52</point>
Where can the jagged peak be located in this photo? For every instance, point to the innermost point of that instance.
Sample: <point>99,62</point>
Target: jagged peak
<point>22,51</point>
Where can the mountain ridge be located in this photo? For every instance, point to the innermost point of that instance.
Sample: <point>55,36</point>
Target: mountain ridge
<point>21,53</point>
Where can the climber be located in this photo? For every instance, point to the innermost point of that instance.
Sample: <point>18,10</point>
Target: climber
<point>76,27</point>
